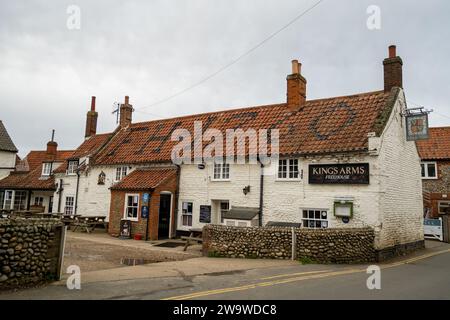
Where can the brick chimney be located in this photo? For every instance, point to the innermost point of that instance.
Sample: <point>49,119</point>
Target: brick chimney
<point>91,120</point>
<point>52,148</point>
<point>126,112</point>
<point>296,87</point>
<point>393,70</point>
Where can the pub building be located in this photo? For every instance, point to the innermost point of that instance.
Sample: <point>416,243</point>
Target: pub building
<point>344,162</point>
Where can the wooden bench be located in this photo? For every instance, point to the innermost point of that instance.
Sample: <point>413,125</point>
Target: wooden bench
<point>192,237</point>
<point>88,223</point>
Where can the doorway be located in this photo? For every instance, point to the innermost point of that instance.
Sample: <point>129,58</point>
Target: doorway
<point>164,216</point>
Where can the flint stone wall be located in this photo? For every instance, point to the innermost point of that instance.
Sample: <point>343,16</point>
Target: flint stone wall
<point>29,251</point>
<point>352,245</point>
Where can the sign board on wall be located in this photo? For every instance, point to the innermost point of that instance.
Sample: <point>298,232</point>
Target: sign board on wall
<point>416,126</point>
<point>144,212</point>
<point>342,173</point>
<point>205,214</point>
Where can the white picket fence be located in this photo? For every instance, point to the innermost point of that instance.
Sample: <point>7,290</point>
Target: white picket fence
<point>432,229</point>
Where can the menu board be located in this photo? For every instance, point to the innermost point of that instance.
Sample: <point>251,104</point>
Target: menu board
<point>205,214</point>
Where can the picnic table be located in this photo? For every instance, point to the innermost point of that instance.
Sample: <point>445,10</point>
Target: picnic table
<point>195,234</point>
<point>88,223</point>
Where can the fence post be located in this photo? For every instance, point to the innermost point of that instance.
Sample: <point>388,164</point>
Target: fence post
<point>62,246</point>
<point>294,244</point>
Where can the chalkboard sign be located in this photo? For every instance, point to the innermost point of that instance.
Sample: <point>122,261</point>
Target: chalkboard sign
<point>205,214</point>
<point>125,229</point>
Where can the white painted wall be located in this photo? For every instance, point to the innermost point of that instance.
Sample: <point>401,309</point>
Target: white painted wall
<point>401,187</point>
<point>197,186</point>
<point>7,163</point>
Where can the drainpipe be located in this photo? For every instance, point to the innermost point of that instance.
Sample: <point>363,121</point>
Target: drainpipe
<point>76,192</point>
<point>60,190</point>
<point>261,193</point>
<point>177,191</point>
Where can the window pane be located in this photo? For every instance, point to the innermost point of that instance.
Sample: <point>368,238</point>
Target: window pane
<point>118,173</point>
<point>305,214</point>
<point>422,166</point>
<point>431,170</point>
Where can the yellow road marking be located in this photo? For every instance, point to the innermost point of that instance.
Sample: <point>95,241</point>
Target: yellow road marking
<point>295,274</point>
<point>322,274</point>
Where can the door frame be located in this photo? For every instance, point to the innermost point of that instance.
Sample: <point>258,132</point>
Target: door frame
<point>170,211</point>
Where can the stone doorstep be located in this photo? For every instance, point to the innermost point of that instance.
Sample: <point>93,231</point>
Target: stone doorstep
<point>190,267</point>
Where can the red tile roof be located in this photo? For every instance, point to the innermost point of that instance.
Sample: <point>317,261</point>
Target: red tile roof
<point>437,146</point>
<point>144,179</point>
<point>35,158</point>
<point>339,124</point>
<point>31,179</point>
<point>91,145</point>
<point>88,147</point>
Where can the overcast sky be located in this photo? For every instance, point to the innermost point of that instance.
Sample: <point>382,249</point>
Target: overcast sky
<point>151,50</point>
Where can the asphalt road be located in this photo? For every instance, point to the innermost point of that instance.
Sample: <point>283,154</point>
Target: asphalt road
<point>426,276</point>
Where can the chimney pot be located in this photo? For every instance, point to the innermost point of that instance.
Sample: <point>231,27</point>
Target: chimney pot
<point>93,103</point>
<point>295,67</point>
<point>393,73</point>
<point>392,51</point>
<point>126,113</point>
<point>296,87</point>
<point>91,120</point>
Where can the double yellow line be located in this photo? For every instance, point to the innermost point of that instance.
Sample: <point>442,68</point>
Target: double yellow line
<point>297,277</point>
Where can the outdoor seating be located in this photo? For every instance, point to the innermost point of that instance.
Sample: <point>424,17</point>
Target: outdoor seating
<point>88,223</point>
<point>195,235</point>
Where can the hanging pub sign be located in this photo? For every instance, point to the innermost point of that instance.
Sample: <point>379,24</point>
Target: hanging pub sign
<point>416,126</point>
<point>342,173</point>
<point>205,214</point>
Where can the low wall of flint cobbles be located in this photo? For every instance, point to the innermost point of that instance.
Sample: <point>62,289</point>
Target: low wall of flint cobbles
<point>351,245</point>
<point>29,251</point>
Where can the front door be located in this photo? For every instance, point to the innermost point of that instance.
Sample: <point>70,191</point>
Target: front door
<point>164,216</point>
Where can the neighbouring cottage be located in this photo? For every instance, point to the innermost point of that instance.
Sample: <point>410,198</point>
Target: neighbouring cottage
<point>32,184</point>
<point>435,155</point>
<point>8,153</point>
<point>344,162</point>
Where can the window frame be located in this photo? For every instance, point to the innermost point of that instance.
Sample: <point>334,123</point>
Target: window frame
<point>425,166</point>
<point>325,223</point>
<point>72,206</point>
<point>289,163</point>
<point>41,202</point>
<point>45,166</point>
<point>439,205</point>
<point>72,171</point>
<point>125,211</point>
<point>187,214</point>
<point>121,172</point>
<point>224,171</point>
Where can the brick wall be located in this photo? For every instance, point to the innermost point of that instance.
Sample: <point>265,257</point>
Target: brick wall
<point>117,210</point>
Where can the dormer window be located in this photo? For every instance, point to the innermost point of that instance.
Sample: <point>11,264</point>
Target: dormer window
<point>46,168</point>
<point>72,167</point>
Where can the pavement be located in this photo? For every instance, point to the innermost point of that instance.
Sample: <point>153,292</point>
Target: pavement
<point>421,275</point>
